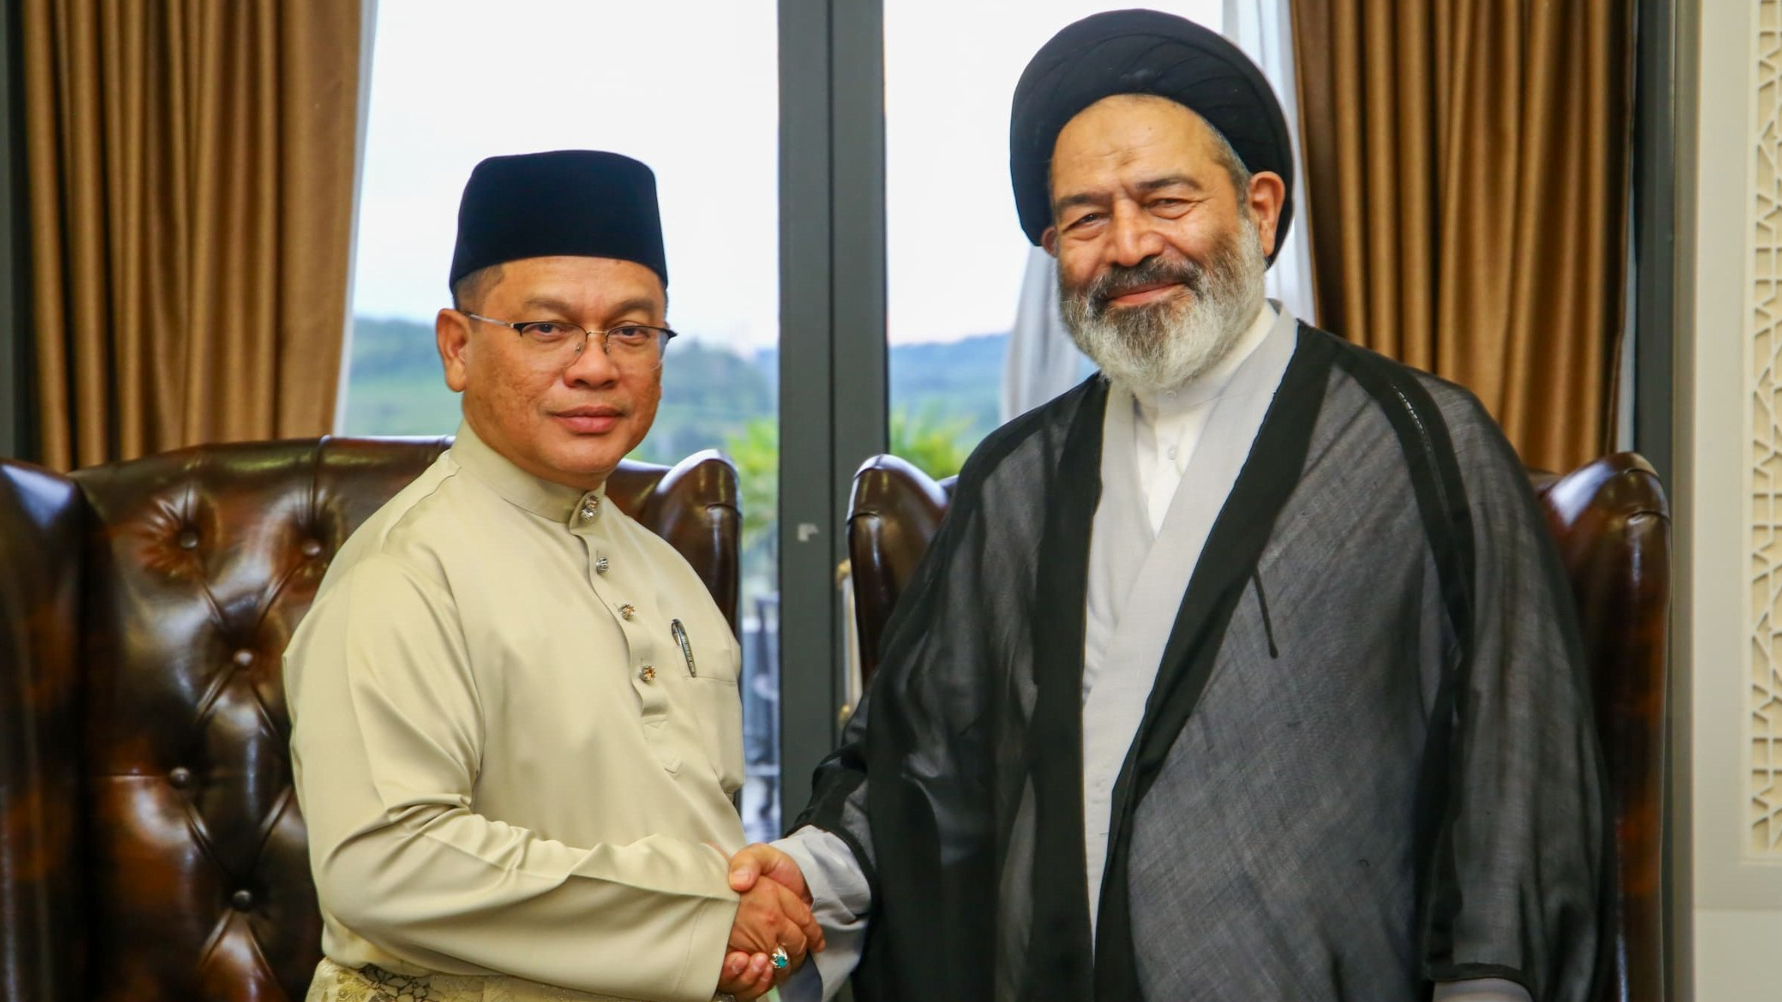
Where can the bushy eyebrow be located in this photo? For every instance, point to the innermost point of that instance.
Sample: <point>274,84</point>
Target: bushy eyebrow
<point>1170,181</point>
<point>1147,187</point>
<point>639,304</point>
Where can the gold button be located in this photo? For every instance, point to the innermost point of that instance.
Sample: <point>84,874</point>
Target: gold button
<point>647,673</point>
<point>627,611</point>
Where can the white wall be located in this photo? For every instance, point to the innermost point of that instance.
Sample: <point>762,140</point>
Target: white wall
<point>1729,567</point>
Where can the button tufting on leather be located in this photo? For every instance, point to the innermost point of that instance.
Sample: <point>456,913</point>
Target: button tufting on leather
<point>204,561</point>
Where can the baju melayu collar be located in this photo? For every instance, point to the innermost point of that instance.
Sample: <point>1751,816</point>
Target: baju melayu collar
<point>1168,463</point>
<point>576,509</point>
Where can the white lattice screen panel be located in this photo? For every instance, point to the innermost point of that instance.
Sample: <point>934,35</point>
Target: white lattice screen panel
<point>1766,445</point>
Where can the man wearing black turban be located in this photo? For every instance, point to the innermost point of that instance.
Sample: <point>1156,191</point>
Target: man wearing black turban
<point>516,772</point>
<point>1243,671</point>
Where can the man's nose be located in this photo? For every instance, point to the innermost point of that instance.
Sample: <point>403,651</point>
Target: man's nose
<point>1133,236</point>
<point>592,365</point>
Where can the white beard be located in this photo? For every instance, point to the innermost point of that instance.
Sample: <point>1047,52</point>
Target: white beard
<point>1161,347</point>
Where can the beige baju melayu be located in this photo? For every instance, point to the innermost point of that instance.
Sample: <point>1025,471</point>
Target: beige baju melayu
<point>517,782</point>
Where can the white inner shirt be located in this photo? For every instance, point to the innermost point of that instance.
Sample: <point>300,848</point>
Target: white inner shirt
<point>1166,431</point>
<point>1169,424</point>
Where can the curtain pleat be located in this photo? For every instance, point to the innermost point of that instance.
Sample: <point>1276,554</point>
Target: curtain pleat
<point>1467,168</point>
<point>191,169</point>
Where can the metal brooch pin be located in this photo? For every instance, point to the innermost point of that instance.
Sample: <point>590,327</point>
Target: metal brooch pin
<point>680,637</point>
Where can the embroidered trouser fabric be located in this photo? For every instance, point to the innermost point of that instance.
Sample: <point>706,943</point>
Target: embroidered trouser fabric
<point>334,983</point>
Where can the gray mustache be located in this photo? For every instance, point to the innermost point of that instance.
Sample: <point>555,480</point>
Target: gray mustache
<point>1119,279</point>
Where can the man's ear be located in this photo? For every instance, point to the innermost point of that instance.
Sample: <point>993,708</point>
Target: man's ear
<point>451,331</point>
<point>1049,240</point>
<point>1266,195</point>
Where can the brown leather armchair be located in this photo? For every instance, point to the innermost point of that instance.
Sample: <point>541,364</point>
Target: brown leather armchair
<point>1612,524</point>
<point>150,842</point>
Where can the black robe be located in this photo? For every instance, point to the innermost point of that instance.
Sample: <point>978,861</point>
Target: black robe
<point>1367,763</point>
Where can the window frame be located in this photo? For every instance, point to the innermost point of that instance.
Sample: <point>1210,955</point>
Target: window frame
<point>832,347</point>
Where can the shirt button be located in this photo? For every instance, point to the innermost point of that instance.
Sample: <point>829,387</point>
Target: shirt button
<point>647,673</point>
<point>242,900</point>
<point>590,506</point>
<point>627,611</point>
<point>600,565</point>
<point>1172,452</point>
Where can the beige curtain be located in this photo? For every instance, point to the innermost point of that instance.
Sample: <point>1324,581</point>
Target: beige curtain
<point>191,168</point>
<point>1467,168</point>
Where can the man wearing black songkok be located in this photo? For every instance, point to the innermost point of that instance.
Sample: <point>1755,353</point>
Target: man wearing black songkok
<point>515,780</point>
<point>1242,671</point>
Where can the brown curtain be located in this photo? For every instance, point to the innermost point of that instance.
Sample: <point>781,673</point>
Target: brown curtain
<point>1467,168</point>
<point>191,168</point>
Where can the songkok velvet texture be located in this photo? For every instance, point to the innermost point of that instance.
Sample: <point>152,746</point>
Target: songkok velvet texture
<point>1141,52</point>
<point>581,203</point>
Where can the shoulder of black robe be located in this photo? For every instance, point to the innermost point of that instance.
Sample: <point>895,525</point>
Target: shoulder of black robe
<point>961,735</point>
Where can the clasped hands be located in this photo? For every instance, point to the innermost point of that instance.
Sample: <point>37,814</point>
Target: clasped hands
<point>775,913</point>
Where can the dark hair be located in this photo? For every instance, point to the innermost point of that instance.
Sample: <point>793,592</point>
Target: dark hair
<point>471,289</point>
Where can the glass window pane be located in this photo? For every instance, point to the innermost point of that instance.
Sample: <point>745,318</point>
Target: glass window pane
<point>956,259</point>
<point>690,88</point>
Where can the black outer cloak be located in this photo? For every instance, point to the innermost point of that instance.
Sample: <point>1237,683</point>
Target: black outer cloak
<point>1367,763</point>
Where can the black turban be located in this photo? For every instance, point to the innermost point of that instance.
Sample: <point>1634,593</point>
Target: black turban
<point>571,202</point>
<point>1141,52</point>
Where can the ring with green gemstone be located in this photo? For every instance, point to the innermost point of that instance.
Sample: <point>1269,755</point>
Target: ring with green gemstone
<point>779,958</point>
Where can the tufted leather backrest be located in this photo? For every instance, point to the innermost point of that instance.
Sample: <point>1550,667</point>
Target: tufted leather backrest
<point>191,877</point>
<point>1612,525</point>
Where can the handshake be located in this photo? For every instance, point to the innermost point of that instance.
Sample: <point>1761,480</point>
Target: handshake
<point>774,930</point>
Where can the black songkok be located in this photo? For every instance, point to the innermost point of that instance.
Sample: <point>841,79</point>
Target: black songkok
<point>571,202</point>
<point>1141,52</point>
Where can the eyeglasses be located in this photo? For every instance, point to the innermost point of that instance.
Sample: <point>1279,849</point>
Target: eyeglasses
<point>632,347</point>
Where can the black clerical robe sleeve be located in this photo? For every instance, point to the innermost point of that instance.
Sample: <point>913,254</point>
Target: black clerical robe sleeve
<point>1516,875</point>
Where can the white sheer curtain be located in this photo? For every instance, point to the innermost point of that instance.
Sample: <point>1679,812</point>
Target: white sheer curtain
<point>1041,361</point>
<point>1264,30</point>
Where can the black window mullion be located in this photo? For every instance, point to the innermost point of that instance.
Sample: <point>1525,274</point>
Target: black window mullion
<point>832,344</point>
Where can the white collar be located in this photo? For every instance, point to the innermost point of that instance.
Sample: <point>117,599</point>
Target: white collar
<point>1211,383</point>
